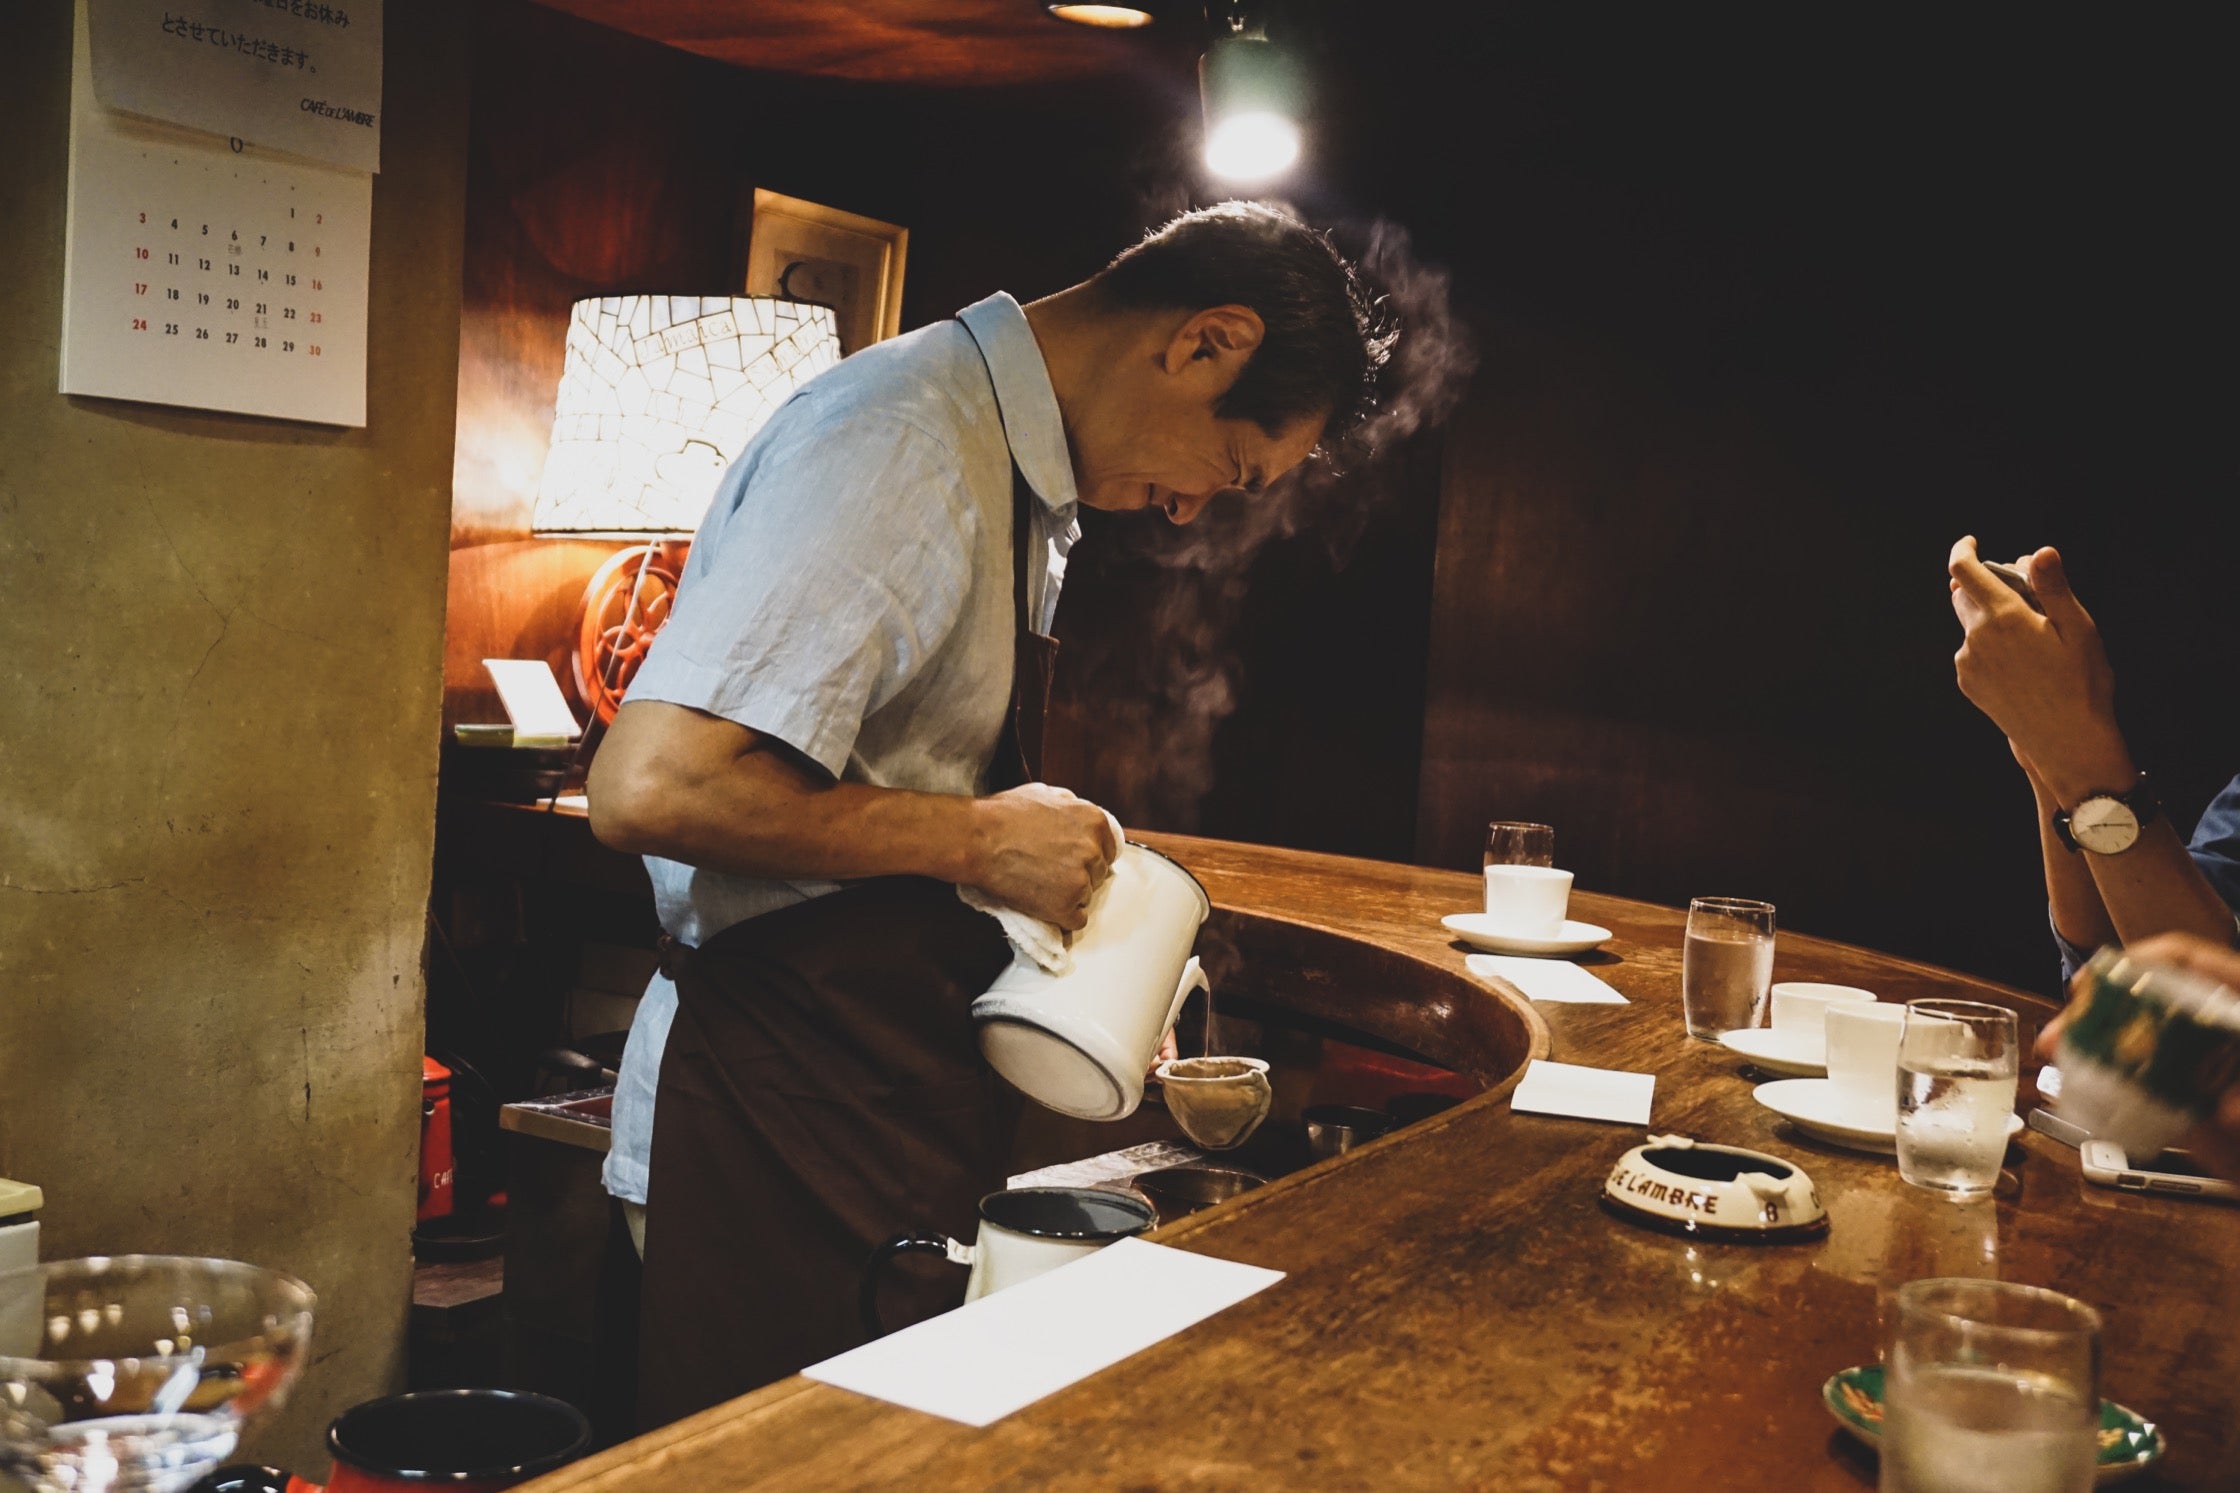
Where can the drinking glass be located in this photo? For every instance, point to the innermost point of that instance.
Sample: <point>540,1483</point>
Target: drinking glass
<point>1957,1062</point>
<point>1990,1387</point>
<point>1515,843</point>
<point>139,1372</point>
<point>1726,965</point>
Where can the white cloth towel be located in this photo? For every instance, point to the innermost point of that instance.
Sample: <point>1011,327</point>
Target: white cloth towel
<point>1045,945</point>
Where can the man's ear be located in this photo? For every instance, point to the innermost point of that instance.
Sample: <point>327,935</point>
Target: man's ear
<point>1219,334</point>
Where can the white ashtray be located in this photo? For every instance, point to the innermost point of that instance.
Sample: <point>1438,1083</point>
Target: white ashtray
<point>1683,1186</point>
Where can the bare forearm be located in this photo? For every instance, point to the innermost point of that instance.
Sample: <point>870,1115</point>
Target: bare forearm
<point>669,785</point>
<point>838,832</point>
<point>2154,887</point>
<point>2078,914</point>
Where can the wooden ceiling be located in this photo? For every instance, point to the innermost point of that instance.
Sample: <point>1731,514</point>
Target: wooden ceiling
<point>946,43</point>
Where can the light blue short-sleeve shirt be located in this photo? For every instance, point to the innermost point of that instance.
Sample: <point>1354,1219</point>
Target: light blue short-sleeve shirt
<point>850,593</point>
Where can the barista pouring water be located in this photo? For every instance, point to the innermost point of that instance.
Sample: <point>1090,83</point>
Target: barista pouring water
<point>841,723</point>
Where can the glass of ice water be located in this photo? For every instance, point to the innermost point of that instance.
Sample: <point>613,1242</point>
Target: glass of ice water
<point>1512,842</point>
<point>1726,965</point>
<point>1957,1062</point>
<point>1990,1387</point>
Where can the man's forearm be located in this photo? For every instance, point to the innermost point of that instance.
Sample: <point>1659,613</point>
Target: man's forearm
<point>763,815</point>
<point>2078,914</point>
<point>2153,887</point>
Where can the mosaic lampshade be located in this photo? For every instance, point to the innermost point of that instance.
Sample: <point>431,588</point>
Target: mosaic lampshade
<point>659,393</point>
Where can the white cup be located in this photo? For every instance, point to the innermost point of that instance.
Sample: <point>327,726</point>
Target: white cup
<point>1801,1006</point>
<point>1024,1232</point>
<point>1527,901</point>
<point>1863,1053</point>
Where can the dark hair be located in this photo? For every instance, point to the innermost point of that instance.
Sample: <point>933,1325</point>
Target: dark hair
<point>1326,339</point>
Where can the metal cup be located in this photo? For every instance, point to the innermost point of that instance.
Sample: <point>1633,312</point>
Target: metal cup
<point>1333,1129</point>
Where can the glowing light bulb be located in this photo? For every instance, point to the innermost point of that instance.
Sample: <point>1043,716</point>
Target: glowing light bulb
<point>1252,146</point>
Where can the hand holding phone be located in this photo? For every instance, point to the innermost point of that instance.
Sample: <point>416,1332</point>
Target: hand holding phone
<point>2018,580</point>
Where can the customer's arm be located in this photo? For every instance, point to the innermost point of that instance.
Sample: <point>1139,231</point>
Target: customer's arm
<point>2079,916</point>
<point>2045,681</point>
<point>692,787</point>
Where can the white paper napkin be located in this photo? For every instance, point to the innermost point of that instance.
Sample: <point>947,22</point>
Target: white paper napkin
<point>532,698</point>
<point>1584,1093</point>
<point>1546,979</point>
<point>1001,1353</point>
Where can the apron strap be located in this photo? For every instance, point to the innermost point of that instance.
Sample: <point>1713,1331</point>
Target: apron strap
<point>1034,654</point>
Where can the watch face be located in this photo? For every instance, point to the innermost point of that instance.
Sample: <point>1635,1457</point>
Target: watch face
<point>2104,826</point>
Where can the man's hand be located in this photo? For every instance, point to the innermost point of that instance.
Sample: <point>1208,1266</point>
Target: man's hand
<point>1043,851</point>
<point>2044,681</point>
<point>2216,1139</point>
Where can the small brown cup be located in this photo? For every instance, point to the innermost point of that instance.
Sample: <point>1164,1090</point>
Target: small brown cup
<point>1218,1101</point>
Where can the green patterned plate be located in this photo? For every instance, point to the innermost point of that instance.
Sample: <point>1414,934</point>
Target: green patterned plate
<point>2127,1443</point>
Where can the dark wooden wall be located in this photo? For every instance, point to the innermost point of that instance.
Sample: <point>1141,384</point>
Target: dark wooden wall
<point>1771,310</point>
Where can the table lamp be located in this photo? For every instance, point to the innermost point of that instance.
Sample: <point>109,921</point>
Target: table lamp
<point>658,395</point>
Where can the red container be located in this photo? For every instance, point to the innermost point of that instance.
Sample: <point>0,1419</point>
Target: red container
<point>465,1440</point>
<point>453,1440</point>
<point>437,1170</point>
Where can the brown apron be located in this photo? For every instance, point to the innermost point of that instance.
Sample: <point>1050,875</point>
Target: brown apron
<point>823,1090</point>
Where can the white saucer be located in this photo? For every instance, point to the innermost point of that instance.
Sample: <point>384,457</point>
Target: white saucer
<point>1814,1106</point>
<point>1572,938</point>
<point>1791,1052</point>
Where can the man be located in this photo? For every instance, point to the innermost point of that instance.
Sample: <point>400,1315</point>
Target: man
<point>839,725</point>
<point>2116,870</point>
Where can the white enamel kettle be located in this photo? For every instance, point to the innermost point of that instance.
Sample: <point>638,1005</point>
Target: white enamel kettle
<point>1080,1043</point>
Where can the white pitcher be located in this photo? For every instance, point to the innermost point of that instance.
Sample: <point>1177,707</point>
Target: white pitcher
<point>1081,1042</point>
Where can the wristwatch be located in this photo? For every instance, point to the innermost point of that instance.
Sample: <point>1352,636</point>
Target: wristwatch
<point>2108,823</point>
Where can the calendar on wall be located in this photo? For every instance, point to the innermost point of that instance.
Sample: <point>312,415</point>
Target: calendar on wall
<point>206,272</point>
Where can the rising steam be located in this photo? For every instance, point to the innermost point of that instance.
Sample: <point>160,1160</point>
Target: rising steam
<point>1155,696</point>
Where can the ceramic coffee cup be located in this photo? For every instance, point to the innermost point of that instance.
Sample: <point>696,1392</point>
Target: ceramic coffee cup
<point>1801,1006</point>
<point>1863,1053</point>
<point>1023,1232</point>
<point>1218,1101</point>
<point>1527,901</point>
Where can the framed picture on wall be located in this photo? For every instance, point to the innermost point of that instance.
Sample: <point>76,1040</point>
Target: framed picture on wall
<point>851,263</point>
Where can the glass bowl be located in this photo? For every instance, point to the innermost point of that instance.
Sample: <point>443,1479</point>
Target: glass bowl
<point>141,1371</point>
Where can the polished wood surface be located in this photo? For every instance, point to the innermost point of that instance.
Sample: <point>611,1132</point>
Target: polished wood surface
<point>1459,1312</point>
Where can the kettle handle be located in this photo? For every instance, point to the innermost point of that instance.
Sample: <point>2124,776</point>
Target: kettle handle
<point>1193,978</point>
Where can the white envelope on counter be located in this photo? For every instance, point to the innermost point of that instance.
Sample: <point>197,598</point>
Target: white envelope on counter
<point>1584,1093</point>
<point>1003,1352</point>
<point>1545,979</point>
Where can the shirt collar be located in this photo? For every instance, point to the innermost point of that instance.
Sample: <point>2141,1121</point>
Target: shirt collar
<point>1028,404</point>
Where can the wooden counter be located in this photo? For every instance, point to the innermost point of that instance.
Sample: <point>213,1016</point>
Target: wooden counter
<point>1460,1313</point>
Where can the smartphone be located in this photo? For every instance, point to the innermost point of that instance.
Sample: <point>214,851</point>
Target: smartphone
<point>2013,576</point>
<point>2173,1173</point>
<point>2046,1122</point>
